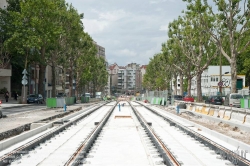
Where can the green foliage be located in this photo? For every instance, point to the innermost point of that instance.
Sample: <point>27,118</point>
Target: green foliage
<point>3,90</point>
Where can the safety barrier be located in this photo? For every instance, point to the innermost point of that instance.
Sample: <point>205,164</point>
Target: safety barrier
<point>216,112</point>
<point>227,113</point>
<point>211,111</point>
<point>205,110</point>
<point>238,114</point>
<point>221,112</point>
<point>247,117</point>
<point>198,108</point>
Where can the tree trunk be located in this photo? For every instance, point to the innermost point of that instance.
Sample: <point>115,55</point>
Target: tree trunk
<point>63,80</point>
<point>41,82</point>
<point>175,84</point>
<point>70,82</point>
<point>42,68</point>
<point>199,92</point>
<point>94,88</point>
<point>233,74</point>
<point>189,86</point>
<point>53,79</point>
<point>181,84</point>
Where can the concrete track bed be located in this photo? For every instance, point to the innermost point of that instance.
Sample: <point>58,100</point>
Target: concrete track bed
<point>26,126</point>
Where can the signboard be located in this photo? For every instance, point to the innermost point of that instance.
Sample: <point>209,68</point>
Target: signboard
<point>24,82</point>
<point>220,83</point>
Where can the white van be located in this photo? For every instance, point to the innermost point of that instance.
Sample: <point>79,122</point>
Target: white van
<point>233,100</point>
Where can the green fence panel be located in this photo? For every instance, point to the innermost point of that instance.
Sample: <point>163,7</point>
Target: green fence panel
<point>163,101</point>
<point>158,102</point>
<point>83,99</point>
<point>51,102</point>
<point>242,103</point>
<point>151,101</point>
<point>155,100</point>
<point>67,100</point>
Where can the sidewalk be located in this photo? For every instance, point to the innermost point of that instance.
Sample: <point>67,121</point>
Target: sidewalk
<point>11,103</point>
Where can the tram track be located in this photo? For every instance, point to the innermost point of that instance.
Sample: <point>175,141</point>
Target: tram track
<point>17,153</point>
<point>79,135</point>
<point>225,153</point>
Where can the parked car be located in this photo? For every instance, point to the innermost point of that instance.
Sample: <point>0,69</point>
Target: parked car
<point>178,97</point>
<point>233,100</point>
<point>188,98</point>
<point>216,100</point>
<point>35,98</point>
<point>61,95</point>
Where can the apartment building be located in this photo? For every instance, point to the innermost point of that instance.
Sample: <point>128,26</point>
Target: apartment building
<point>113,77</point>
<point>128,79</point>
<point>5,68</point>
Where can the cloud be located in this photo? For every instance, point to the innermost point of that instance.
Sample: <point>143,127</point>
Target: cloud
<point>112,16</point>
<point>164,28</point>
<point>126,53</point>
<point>93,26</point>
<point>130,32</point>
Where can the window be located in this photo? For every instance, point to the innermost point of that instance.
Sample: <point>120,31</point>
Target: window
<point>217,79</point>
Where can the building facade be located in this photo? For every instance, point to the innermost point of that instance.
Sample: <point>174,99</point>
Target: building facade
<point>5,68</point>
<point>126,79</point>
<point>210,79</point>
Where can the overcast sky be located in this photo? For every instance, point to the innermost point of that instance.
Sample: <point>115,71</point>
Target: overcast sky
<point>130,30</point>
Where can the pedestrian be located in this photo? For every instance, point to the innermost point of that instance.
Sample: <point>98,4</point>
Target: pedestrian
<point>15,95</point>
<point>119,106</point>
<point>6,95</point>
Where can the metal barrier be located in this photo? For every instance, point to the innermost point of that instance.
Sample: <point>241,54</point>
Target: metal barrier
<point>60,102</point>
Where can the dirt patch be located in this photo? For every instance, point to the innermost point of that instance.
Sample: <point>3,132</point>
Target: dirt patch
<point>223,128</point>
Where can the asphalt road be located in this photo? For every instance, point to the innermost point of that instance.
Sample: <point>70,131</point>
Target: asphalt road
<point>15,110</point>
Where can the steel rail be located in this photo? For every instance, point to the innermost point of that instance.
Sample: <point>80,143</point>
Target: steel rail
<point>167,156</point>
<point>227,154</point>
<point>16,153</point>
<point>82,150</point>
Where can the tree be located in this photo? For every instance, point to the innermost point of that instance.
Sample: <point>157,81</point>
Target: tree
<point>99,75</point>
<point>85,61</point>
<point>231,23</point>
<point>156,77</point>
<point>41,16</point>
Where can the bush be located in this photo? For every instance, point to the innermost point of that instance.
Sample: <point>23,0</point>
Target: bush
<point>3,90</point>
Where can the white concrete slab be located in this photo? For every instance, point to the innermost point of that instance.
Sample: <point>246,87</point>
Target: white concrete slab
<point>121,143</point>
<point>186,149</point>
<point>57,150</point>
